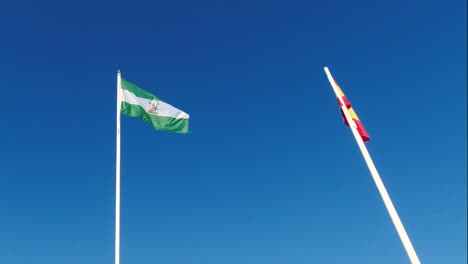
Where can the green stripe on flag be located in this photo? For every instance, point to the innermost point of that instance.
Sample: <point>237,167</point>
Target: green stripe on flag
<point>126,85</point>
<point>164,123</point>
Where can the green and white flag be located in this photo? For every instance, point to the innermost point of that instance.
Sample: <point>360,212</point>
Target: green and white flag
<point>139,103</point>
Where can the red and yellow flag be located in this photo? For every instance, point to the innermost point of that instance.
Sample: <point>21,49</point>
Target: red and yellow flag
<point>360,128</point>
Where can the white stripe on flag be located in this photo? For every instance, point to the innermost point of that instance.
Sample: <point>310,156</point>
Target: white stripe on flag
<point>164,109</point>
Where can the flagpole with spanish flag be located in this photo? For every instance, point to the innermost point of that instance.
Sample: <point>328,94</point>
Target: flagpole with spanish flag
<point>361,135</point>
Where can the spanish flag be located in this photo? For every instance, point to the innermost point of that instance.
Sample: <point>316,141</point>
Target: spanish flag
<point>360,128</point>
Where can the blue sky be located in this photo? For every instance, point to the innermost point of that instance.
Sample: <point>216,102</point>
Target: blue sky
<point>268,174</point>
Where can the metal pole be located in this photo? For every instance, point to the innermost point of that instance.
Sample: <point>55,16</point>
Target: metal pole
<point>117,177</point>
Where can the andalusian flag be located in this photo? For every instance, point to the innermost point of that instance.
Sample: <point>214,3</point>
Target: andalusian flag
<point>139,103</point>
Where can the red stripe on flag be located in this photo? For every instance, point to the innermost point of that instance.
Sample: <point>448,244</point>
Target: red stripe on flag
<point>360,128</point>
<point>362,131</point>
<point>344,117</point>
<point>345,100</point>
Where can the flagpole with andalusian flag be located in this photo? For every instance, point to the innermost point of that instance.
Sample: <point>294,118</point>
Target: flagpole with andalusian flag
<point>136,102</point>
<point>361,135</point>
<point>117,175</point>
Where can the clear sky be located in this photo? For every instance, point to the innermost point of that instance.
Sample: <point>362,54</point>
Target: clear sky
<point>269,173</point>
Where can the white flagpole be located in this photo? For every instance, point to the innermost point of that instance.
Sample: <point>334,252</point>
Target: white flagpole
<point>117,177</point>
<point>375,175</point>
